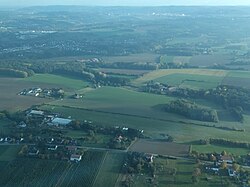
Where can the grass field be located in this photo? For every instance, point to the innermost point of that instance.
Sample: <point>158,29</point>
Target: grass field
<point>237,78</point>
<point>63,81</point>
<point>218,149</point>
<point>191,81</point>
<point>161,73</point>
<point>160,148</point>
<point>118,100</point>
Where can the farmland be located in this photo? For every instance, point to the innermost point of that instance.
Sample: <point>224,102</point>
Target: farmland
<point>191,81</point>
<point>161,73</point>
<point>160,148</point>
<point>103,86</point>
<point>8,153</point>
<point>35,172</point>
<point>64,82</point>
<point>110,169</point>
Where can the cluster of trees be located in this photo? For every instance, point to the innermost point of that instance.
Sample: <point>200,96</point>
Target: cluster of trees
<point>225,142</point>
<point>234,99</point>
<point>7,72</point>
<point>137,162</point>
<point>191,110</point>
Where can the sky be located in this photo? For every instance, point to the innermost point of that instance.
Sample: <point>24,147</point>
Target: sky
<point>124,2</point>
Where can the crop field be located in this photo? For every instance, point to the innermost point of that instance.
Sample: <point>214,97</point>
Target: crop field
<point>123,71</point>
<point>160,148</point>
<point>237,78</point>
<point>161,73</point>
<point>209,60</point>
<point>110,170</point>
<point>34,172</point>
<point>9,100</point>
<point>4,125</point>
<point>191,81</point>
<point>63,81</point>
<point>143,57</point>
<point>8,153</point>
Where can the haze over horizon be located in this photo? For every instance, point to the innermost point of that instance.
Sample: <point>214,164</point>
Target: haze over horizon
<point>126,2</point>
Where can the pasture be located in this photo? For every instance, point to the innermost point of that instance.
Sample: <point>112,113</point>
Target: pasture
<point>60,81</point>
<point>160,148</point>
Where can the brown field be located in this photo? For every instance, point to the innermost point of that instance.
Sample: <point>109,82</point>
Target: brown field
<point>160,148</point>
<point>9,100</point>
<point>237,81</point>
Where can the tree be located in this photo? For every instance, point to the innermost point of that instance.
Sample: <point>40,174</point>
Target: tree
<point>236,167</point>
<point>223,165</point>
<point>224,153</point>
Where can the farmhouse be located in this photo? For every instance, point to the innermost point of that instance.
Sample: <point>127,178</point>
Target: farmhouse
<point>227,159</point>
<point>60,121</point>
<point>36,113</point>
<point>76,158</point>
<point>33,151</point>
<point>52,147</point>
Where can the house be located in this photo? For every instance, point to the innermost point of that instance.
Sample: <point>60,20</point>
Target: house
<point>22,125</point>
<point>52,147</point>
<point>149,158</point>
<point>231,172</point>
<point>227,159</point>
<point>76,158</point>
<point>33,151</point>
<point>36,113</point>
<point>61,121</point>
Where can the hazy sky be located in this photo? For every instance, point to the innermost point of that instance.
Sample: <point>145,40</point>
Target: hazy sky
<point>122,2</point>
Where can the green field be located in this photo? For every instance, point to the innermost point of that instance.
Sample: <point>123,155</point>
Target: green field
<point>218,149</point>
<point>36,172</point>
<point>110,170</point>
<point>8,152</point>
<point>191,81</point>
<point>63,81</point>
<point>154,75</point>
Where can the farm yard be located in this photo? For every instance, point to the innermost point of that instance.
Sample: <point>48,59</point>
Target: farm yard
<point>160,148</point>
